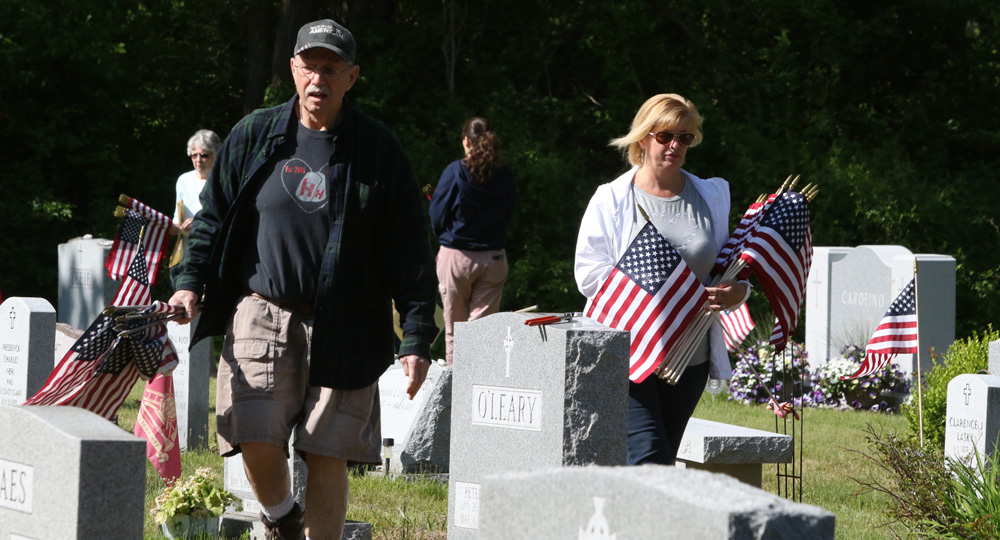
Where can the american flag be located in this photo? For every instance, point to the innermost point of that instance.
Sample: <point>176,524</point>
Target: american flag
<point>738,325</point>
<point>731,251</point>
<point>652,293</point>
<point>895,334</point>
<point>78,379</point>
<point>779,252</point>
<point>125,244</point>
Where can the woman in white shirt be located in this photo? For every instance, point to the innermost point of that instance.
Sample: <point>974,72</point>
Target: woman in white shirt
<point>202,147</point>
<point>693,215</point>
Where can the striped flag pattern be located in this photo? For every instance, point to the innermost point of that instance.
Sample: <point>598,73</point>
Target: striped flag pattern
<point>651,293</point>
<point>738,325</point>
<point>97,375</point>
<point>736,242</point>
<point>895,334</point>
<point>779,252</point>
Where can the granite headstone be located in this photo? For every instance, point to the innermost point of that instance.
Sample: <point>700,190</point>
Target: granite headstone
<point>191,380</point>
<point>420,428</point>
<point>650,501</point>
<point>69,474</point>
<point>972,421</point>
<point>849,293</point>
<point>84,286</point>
<point>27,327</point>
<point>525,397</point>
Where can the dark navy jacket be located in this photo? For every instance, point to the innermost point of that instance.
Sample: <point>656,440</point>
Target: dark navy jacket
<point>471,216</point>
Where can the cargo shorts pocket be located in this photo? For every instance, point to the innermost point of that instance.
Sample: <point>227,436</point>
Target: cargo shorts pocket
<point>256,368</point>
<point>356,403</point>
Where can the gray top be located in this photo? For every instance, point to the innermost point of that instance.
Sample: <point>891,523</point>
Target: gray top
<point>686,222</point>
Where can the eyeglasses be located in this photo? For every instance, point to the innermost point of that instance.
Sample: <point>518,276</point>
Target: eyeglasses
<point>202,156</point>
<point>327,73</point>
<point>664,137</point>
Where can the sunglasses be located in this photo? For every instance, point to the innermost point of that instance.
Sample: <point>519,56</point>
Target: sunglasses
<point>664,137</point>
<point>202,156</point>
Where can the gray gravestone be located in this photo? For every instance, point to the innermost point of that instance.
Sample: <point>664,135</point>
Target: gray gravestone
<point>973,417</point>
<point>862,285</point>
<point>27,327</point>
<point>191,380</point>
<point>525,397</point>
<point>69,474</point>
<point>420,428</point>
<point>651,501</point>
<point>817,301</point>
<point>84,286</point>
<point>994,361</point>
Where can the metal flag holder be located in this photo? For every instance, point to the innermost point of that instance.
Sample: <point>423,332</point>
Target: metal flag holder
<point>788,419</point>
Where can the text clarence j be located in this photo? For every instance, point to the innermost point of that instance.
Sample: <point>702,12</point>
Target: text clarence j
<point>509,408</point>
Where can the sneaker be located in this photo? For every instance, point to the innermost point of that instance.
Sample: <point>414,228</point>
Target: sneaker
<point>290,527</point>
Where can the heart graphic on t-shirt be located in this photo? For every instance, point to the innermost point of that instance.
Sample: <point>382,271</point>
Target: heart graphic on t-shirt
<point>306,187</point>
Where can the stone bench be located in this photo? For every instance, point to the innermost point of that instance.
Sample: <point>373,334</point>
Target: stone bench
<point>737,451</point>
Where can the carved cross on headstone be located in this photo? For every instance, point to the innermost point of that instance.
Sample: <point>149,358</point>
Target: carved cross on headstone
<point>968,392</point>
<point>508,344</point>
<point>12,317</point>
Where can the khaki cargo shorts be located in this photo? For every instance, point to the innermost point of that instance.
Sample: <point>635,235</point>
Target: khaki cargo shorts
<point>264,394</point>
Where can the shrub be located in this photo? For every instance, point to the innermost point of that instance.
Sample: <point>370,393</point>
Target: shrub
<point>933,496</point>
<point>831,389</point>
<point>970,355</point>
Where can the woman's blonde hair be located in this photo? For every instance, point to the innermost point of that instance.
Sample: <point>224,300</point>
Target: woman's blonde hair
<point>661,110</point>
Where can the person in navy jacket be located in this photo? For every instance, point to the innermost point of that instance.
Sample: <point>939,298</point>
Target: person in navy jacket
<point>470,212</point>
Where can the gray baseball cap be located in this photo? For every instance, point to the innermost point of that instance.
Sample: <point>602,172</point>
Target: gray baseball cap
<point>329,35</point>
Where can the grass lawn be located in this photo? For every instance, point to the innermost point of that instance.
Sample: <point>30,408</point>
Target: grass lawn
<point>418,509</point>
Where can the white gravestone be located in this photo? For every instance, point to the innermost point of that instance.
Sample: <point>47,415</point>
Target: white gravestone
<point>862,284</point>
<point>972,418</point>
<point>68,474</point>
<point>646,502</point>
<point>84,286</point>
<point>525,397</point>
<point>191,380</point>
<point>27,327</point>
<point>420,428</point>
<point>817,301</point>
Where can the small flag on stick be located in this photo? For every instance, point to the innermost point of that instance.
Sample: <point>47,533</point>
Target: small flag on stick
<point>895,334</point>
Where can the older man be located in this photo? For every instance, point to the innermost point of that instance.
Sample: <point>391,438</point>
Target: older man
<point>311,227</point>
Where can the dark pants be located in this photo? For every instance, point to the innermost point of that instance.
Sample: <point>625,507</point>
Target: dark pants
<point>658,414</point>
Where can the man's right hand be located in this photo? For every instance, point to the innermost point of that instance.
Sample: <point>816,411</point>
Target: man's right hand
<point>189,300</point>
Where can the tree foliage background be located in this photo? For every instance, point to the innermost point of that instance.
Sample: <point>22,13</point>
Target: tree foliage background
<point>890,107</point>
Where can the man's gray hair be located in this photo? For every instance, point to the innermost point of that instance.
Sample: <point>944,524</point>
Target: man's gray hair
<point>205,139</point>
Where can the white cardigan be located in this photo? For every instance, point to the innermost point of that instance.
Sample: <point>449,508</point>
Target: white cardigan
<point>604,235</point>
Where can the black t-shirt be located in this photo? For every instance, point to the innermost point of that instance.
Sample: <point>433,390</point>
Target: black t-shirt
<point>292,218</point>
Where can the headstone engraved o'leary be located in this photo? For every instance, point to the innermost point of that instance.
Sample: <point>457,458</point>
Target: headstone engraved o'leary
<point>84,286</point>
<point>972,423</point>
<point>69,474</point>
<point>27,330</point>
<point>191,380</point>
<point>646,502</point>
<point>525,397</point>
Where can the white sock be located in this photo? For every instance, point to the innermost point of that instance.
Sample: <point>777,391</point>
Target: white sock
<point>274,513</point>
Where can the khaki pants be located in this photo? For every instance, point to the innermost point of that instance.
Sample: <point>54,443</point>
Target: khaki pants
<point>471,285</point>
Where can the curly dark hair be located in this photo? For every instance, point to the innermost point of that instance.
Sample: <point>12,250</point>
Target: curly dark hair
<point>484,154</point>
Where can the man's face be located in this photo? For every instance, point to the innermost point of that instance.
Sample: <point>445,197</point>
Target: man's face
<point>321,80</point>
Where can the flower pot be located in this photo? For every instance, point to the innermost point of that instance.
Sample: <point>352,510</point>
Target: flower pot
<point>185,526</point>
<point>862,397</point>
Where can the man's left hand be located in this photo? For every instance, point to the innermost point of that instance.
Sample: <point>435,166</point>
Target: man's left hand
<point>415,367</point>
